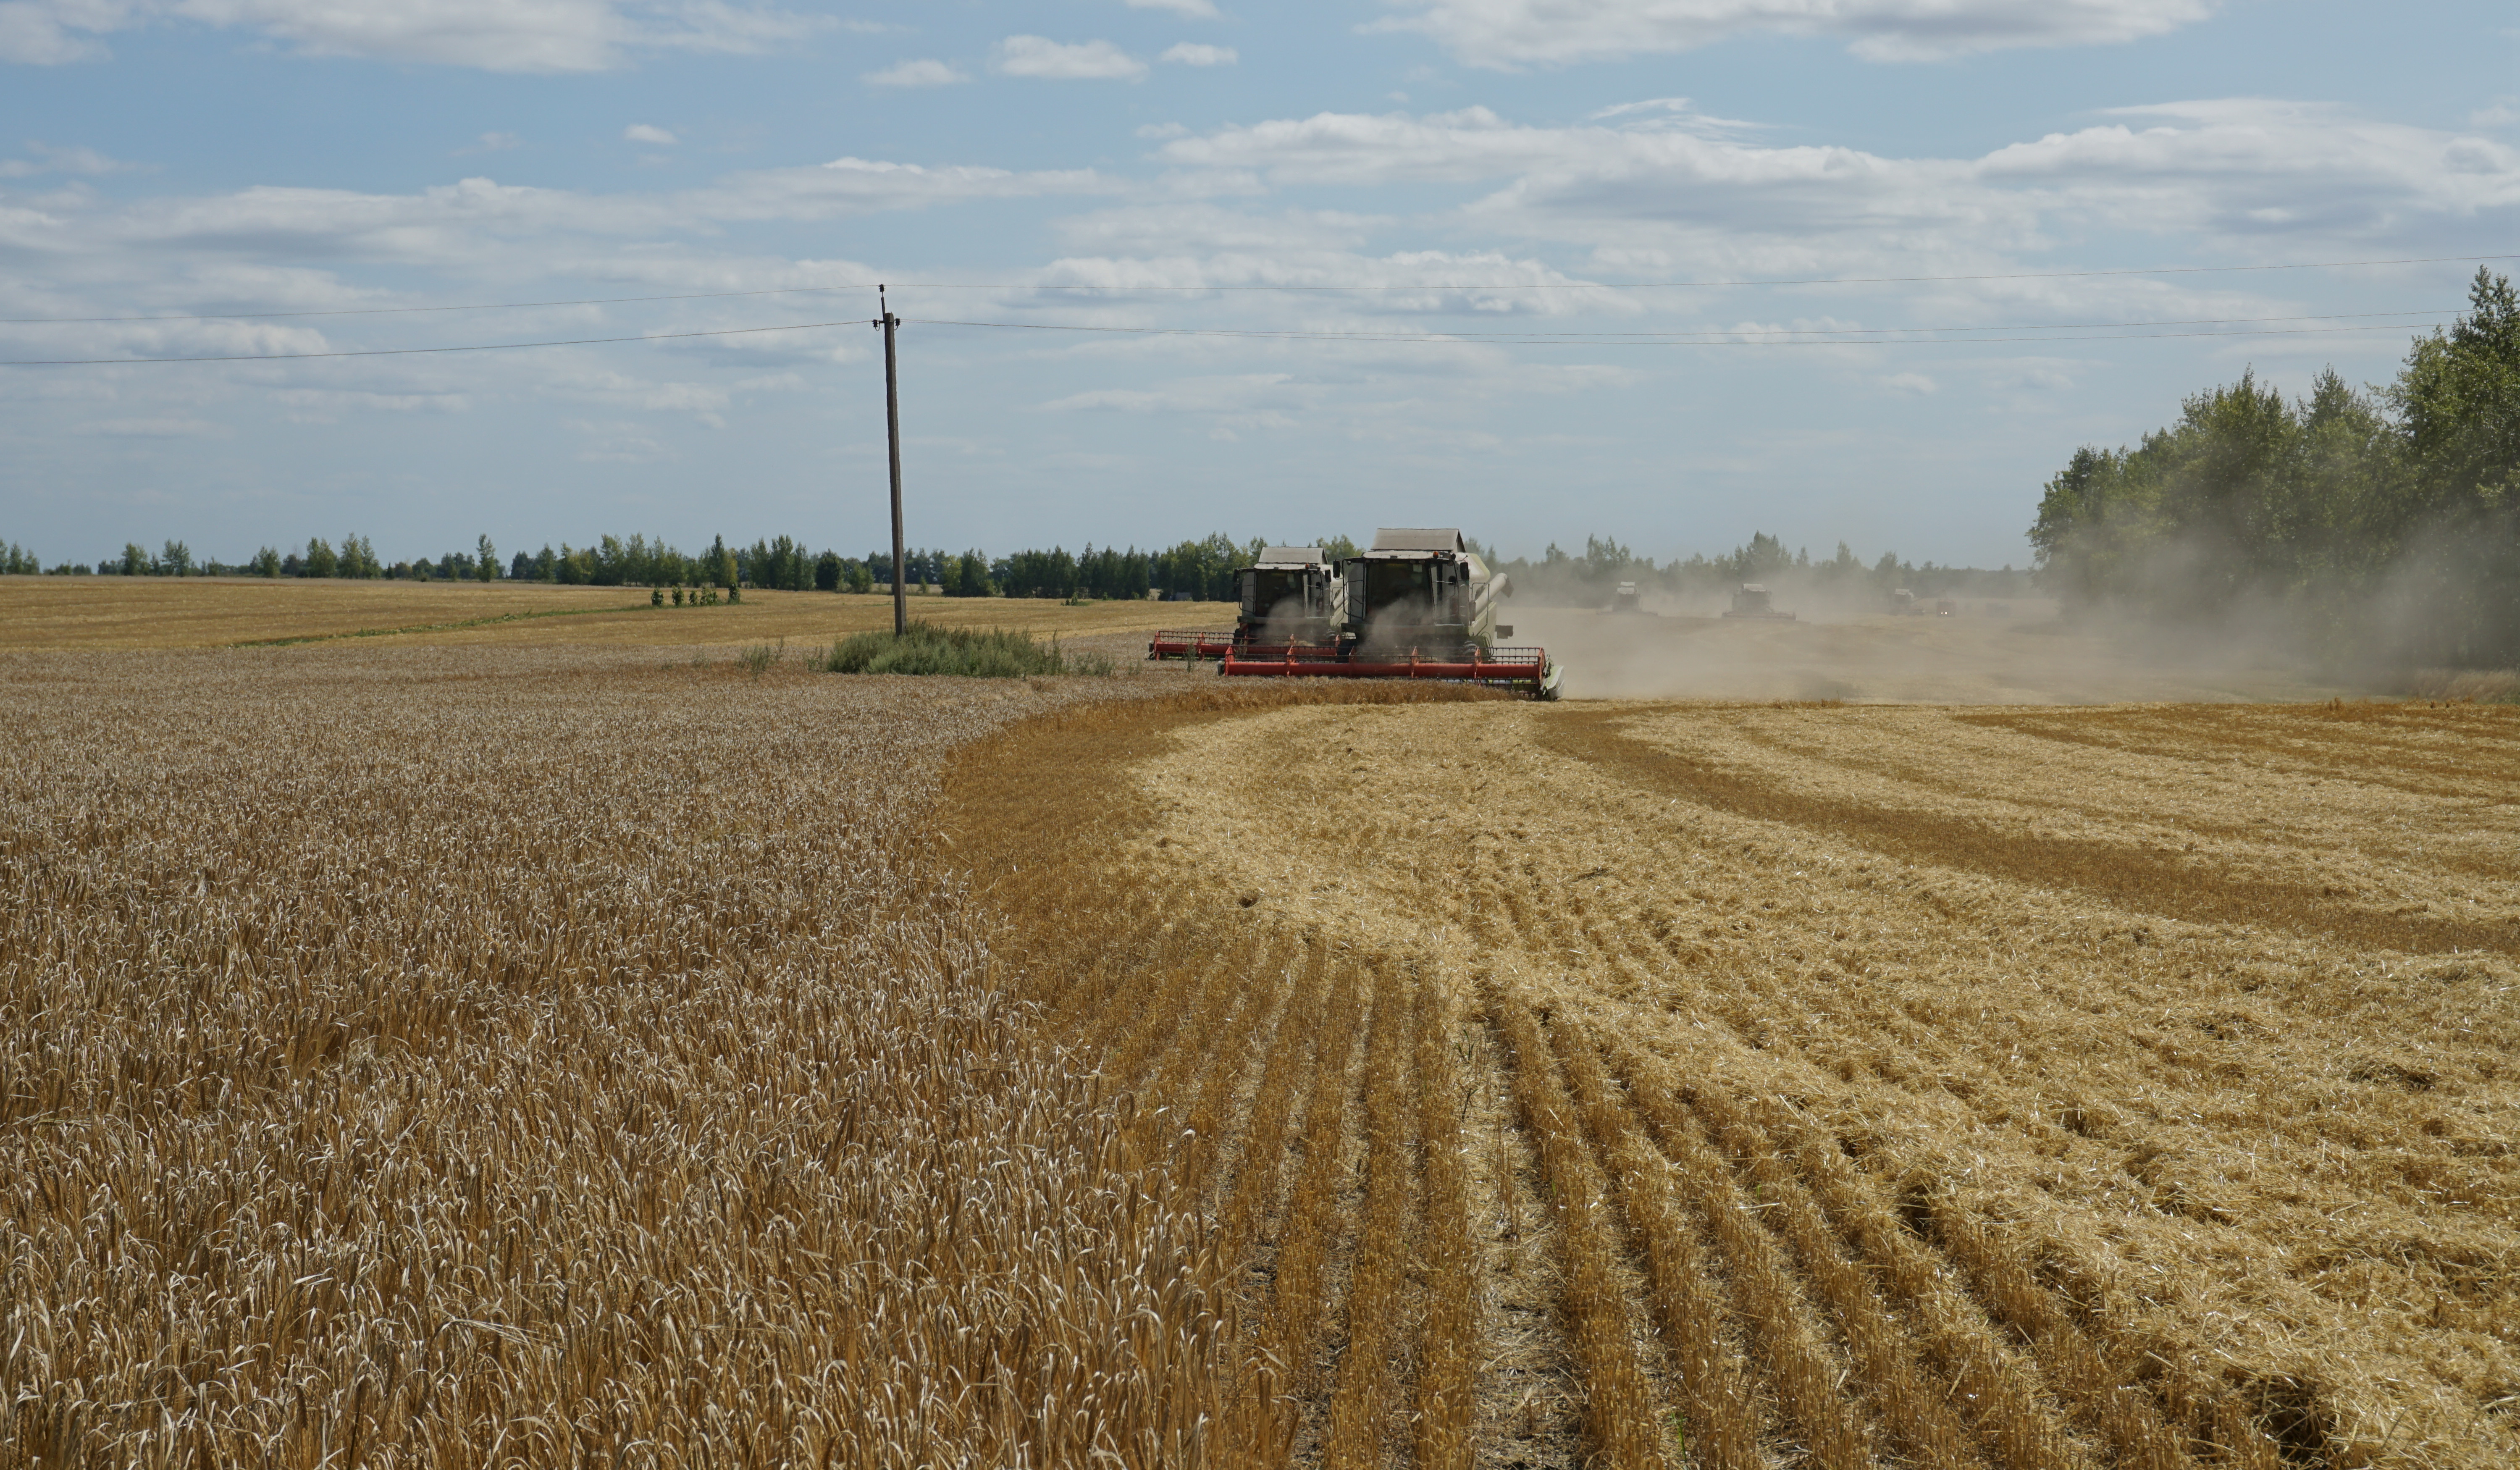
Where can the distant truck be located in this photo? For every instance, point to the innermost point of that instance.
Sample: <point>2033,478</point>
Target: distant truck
<point>1626,599</point>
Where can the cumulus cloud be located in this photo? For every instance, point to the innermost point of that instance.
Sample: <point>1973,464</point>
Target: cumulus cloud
<point>510,35</point>
<point>1193,54</point>
<point>1087,61</point>
<point>1197,9</point>
<point>2240,169</point>
<point>1507,34</point>
<point>168,428</point>
<point>915,73</point>
<point>62,161</point>
<point>641,132</point>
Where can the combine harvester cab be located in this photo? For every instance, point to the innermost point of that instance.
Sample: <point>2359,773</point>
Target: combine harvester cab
<point>1421,604</point>
<point>1752,602</point>
<point>1290,597</point>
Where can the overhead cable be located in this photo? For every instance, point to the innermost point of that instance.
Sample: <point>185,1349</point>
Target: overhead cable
<point>1054,288</point>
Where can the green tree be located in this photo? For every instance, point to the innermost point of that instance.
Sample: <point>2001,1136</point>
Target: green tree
<point>320,559</point>
<point>485,560</point>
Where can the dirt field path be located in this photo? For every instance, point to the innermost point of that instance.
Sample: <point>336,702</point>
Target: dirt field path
<point>1741,1085</point>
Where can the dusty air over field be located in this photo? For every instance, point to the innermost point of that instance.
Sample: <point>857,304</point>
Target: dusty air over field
<point>1456,734</point>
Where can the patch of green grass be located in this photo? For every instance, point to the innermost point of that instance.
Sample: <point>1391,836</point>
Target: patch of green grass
<point>994,653</point>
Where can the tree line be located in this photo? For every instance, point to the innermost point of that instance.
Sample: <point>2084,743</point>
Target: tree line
<point>1199,570</point>
<point>1565,578</point>
<point>2372,525</point>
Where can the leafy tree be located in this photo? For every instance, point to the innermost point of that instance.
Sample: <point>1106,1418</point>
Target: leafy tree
<point>320,559</point>
<point>2386,528</point>
<point>265,563</point>
<point>486,559</point>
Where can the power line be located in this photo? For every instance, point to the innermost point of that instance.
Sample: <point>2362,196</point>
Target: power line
<point>2082,332</point>
<point>273,357</point>
<point>1706,340</point>
<point>1438,286</point>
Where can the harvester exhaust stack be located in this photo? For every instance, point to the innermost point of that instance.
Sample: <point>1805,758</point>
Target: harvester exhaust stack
<point>1421,604</point>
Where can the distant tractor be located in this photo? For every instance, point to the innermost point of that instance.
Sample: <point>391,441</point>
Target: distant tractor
<point>1946,607</point>
<point>1903,604</point>
<point>1753,601</point>
<point>1626,599</point>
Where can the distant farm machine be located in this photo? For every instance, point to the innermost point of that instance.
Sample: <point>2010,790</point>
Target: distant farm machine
<point>1419,605</point>
<point>1753,601</point>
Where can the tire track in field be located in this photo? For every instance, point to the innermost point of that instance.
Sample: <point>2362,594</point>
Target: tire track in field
<point>2129,878</point>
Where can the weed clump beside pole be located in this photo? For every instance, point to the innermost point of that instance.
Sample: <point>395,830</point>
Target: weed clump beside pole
<point>994,653</point>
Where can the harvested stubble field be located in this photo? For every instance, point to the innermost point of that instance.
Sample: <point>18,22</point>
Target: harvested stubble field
<point>1742,1085</point>
<point>452,1057</point>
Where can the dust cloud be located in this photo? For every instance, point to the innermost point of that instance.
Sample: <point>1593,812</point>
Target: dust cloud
<point>1985,652</point>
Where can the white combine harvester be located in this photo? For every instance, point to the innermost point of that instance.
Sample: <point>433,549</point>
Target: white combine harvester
<point>1419,605</point>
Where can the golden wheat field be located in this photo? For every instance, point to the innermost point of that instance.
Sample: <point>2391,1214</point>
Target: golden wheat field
<point>217,612</point>
<point>426,1056</point>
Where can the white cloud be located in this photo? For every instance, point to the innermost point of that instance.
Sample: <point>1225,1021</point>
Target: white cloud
<point>62,161</point>
<point>641,132</point>
<point>1088,61</point>
<point>1511,33</point>
<point>1159,131</point>
<point>1193,54</point>
<point>1915,384</point>
<point>2503,114</point>
<point>492,143</point>
<point>915,73</point>
<point>2239,170</point>
<point>1197,9</point>
<point>168,428</point>
<point>497,36</point>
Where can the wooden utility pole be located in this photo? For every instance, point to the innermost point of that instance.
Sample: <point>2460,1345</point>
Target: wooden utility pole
<point>892,436</point>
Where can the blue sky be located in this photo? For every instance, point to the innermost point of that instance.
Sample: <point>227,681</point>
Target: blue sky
<point>1530,188</point>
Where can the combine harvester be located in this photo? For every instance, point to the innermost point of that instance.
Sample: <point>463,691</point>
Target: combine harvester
<point>1421,604</point>
<point>1753,601</point>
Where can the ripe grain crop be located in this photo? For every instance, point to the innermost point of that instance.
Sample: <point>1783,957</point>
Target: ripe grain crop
<point>426,1057</point>
<point>101,614</point>
<point>413,1060</point>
